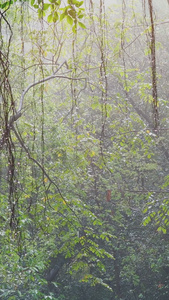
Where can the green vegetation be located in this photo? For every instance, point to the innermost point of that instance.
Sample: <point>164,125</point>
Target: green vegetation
<point>84,138</point>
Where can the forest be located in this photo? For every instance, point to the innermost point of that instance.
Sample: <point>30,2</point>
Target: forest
<point>84,150</point>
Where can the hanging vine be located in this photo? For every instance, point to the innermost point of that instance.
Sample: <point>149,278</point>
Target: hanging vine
<point>153,67</point>
<point>123,56</point>
<point>103,71</point>
<point>7,109</point>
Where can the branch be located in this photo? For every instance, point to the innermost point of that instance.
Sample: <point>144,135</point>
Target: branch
<point>42,81</point>
<point>38,82</point>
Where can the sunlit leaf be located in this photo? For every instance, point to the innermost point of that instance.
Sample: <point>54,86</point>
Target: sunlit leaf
<point>70,20</point>
<point>50,18</point>
<point>55,17</point>
<point>81,25</point>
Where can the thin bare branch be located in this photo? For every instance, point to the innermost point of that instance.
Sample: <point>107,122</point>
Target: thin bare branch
<point>41,82</point>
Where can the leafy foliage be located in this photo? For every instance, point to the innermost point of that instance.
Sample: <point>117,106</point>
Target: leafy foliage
<point>82,167</point>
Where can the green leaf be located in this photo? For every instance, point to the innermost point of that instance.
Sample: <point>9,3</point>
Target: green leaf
<point>78,4</point>
<point>72,13</point>
<point>50,18</point>
<point>6,4</point>
<point>40,13</point>
<point>145,210</point>
<point>162,229</point>
<point>46,6</point>
<point>55,17</point>
<point>82,25</point>
<point>147,221</point>
<point>80,16</point>
<point>62,16</point>
<point>70,20</point>
<point>56,2</point>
